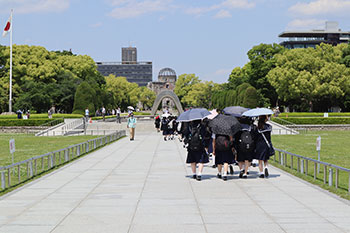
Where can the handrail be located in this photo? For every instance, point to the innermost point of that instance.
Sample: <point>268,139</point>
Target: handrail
<point>50,160</point>
<point>303,167</point>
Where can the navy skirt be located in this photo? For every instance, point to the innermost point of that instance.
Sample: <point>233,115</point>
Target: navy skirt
<point>262,151</point>
<point>197,157</point>
<point>242,156</point>
<point>222,157</point>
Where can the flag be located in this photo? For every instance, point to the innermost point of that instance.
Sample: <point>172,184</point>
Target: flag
<point>8,26</point>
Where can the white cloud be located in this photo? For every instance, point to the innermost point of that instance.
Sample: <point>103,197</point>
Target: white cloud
<point>223,8</point>
<point>237,4</point>
<point>306,24</point>
<point>134,8</point>
<point>34,6</point>
<point>223,14</point>
<point>321,7</point>
<point>96,25</point>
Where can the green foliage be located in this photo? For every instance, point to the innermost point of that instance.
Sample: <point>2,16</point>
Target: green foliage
<point>84,98</point>
<point>147,97</point>
<point>314,114</point>
<point>315,120</point>
<point>262,60</point>
<point>250,99</point>
<point>42,79</point>
<point>311,79</point>
<point>43,116</point>
<point>29,122</point>
<point>184,84</point>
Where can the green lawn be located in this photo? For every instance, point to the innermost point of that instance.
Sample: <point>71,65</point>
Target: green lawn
<point>28,146</point>
<point>335,149</point>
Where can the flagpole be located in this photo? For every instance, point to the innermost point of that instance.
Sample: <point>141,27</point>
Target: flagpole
<point>10,101</point>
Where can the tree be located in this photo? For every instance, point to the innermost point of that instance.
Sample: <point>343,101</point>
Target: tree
<point>250,98</point>
<point>184,84</point>
<point>147,97</point>
<point>84,97</point>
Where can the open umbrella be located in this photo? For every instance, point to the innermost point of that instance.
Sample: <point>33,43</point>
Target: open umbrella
<point>213,113</point>
<point>235,111</point>
<point>257,112</point>
<point>225,125</point>
<point>193,114</point>
<point>131,108</point>
<point>165,115</point>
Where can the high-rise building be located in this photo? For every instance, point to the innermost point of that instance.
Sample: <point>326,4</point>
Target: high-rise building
<point>129,67</point>
<point>129,55</point>
<point>304,39</point>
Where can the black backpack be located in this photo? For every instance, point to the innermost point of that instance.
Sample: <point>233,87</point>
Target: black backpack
<point>246,142</point>
<point>195,139</point>
<point>222,143</point>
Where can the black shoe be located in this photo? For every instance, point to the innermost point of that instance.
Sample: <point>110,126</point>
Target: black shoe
<point>224,178</point>
<point>261,176</point>
<point>231,170</point>
<point>219,176</point>
<point>266,172</point>
<point>194,176</point>
<point>214,166</point>
<point>164,139</point>
<point>244,176</point>
<point>199,178</point>
<point>241,174</point>
<point>247,172</point>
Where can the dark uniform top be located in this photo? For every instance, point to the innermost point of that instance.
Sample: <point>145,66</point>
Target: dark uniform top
<point>262,149</point>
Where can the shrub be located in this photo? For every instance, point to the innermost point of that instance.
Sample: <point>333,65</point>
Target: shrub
<point>314,114</point>
<point>315,120</point>
<point>29,122</point>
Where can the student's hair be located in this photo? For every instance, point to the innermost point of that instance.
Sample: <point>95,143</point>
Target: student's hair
<point>245,120</point>
<point>261,122</point>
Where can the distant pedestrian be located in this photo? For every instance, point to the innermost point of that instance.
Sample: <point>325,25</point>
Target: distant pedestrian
<point>164,127</point>
<point>223,152</point>
<point>87,114</point>
<point>19,114</point>
<point>28,114</point>
<point>157,123</point>
<point>49,113</point>
<point>118,115</point>
<point>264,148</point>
<point>103,111</point>
<point>131,124</point>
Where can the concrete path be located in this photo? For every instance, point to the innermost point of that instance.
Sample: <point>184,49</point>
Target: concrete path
<point>145,186</point>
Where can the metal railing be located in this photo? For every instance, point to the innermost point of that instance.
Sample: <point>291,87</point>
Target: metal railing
<point>313,167</point>
<point>17,173</point>
<point>287,124</point>
<point>72,125</point>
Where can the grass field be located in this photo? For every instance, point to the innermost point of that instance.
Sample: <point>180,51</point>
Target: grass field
<point>28,146</point>
<point>335,149</point>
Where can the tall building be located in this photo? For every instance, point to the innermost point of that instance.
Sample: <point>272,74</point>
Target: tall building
<point>129,55</point>
<point>129,67</point>
<point>305,39</point>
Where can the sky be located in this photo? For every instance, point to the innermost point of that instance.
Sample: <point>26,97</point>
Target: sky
<point>205,37</point>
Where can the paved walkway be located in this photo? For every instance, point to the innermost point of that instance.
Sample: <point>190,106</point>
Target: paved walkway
<point>144,186</point>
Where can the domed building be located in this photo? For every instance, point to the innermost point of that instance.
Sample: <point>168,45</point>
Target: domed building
<point>166,82</point>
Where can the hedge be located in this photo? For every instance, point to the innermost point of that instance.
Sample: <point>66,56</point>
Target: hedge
<point>314,114</point>
<point>29,122</point>
<point>43,116</point>
<point>314,120</point>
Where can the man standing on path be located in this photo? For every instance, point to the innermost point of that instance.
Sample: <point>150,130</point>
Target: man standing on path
<point>118,115</point>
<point>103,111</point>
<point>87,113</point>
<point>131,125</point>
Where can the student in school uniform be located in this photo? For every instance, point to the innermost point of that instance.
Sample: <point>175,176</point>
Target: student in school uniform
<point>264,147</point>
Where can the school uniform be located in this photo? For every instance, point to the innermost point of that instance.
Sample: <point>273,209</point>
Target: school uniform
<point>262,151</point>
<point>222,157</point>
<point>243,155</point>
<point>197,156</point>
<point>164,126</point>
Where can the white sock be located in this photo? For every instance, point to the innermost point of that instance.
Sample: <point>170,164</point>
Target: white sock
<point>225,173</point>
<point>199,174</point>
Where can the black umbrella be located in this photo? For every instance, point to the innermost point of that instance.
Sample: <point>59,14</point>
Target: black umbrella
<point>235,111</point>
<point>225,125</point>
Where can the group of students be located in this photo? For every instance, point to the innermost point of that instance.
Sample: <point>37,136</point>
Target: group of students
<point>168,125</point>
<point>251,142</point>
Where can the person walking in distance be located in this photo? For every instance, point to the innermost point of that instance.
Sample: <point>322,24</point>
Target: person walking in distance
<point>131,125</point>
<point>87,113</point>
<point>118,115</point>
<point>103,111</point>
